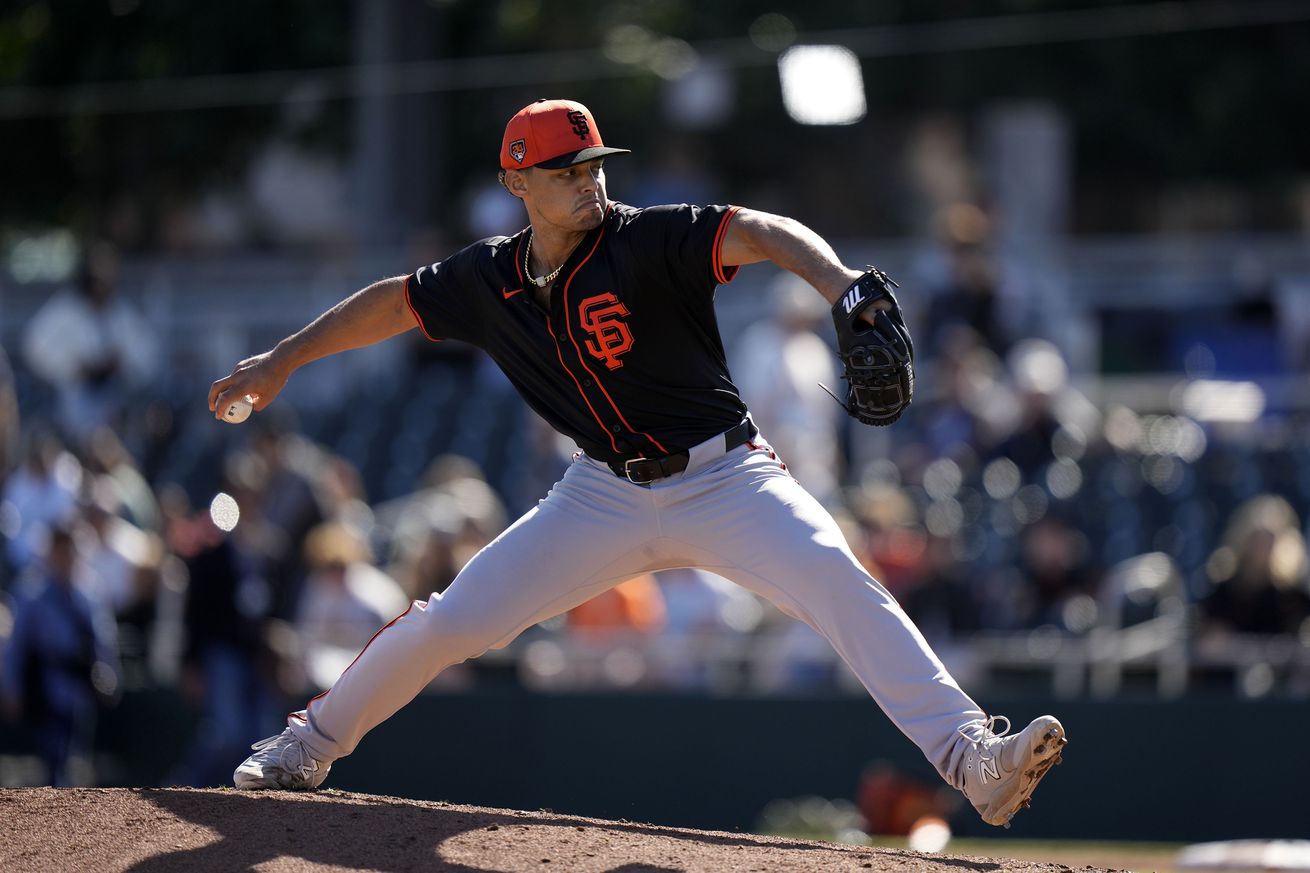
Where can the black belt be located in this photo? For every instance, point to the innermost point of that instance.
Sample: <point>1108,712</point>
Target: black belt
<point>643,471</point>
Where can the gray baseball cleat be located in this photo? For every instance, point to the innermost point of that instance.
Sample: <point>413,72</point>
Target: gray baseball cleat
<point>1000,772</point>
<point>281,761</point>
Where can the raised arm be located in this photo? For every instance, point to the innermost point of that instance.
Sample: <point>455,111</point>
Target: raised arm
<point>760,236</point>
<point>369,316</point>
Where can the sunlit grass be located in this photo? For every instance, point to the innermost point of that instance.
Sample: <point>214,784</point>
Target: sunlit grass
<point>1136,857</point>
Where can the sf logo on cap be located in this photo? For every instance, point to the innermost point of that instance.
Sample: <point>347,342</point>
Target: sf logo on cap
<point>579,122</point>
<point>518,150</point>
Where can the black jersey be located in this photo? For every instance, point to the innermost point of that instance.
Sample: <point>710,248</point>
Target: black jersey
<point>629,361</point>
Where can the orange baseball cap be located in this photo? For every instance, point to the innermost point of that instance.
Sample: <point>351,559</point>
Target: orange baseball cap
<point>552,134</point>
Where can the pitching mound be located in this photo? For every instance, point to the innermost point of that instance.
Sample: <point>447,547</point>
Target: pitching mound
<point>107,830</point>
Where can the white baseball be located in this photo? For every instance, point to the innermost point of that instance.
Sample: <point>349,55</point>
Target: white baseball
<point>239,410</point>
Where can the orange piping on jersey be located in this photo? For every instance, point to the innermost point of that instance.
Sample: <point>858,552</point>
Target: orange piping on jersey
<point>580,391</point>
<point>517,268</point>
<point>720,272</point>
<point>414,312</point>
<point>361,651</point>
<point>574,340</point>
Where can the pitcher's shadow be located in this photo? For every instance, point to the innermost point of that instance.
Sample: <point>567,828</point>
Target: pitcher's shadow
<point>358,832</point>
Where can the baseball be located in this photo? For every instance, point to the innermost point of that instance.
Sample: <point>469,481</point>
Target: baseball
<point>239,410</point>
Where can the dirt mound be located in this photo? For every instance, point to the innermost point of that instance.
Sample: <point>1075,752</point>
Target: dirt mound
<point>105,830</point>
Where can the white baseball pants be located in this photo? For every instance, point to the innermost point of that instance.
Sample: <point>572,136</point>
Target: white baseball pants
<point>738,514</point>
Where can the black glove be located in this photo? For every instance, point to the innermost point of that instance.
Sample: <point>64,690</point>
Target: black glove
<point>878,357</point>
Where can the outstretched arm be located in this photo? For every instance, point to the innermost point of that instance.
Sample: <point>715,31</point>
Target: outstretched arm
<point>376,313</point>
<point>760,236</point>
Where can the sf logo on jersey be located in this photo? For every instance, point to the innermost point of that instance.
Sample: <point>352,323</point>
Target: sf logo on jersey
<point>601,316</point>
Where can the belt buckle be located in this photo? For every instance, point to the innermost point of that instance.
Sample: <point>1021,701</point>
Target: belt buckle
<point>627,472</point>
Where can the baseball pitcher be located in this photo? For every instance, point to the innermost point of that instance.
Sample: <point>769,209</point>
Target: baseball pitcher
<point>602,316</point>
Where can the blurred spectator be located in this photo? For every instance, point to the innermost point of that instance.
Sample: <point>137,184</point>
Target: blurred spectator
<point>892,539</point>
<point>116,470</point>
<point>61,664</point>
<point>892,802</point>
<point>9,421</point>
<point>632,607</point>
<point>437,529</point>
<point>424,560</point>
<point>276,482</point>
<point>39,494</point>
<point>464,481</point>
<point>546,454</point>
<point>969,296</point>
<point>793,655</point>
<point>344,601</point>
<point>702,612</point>
<point>777,365</point>
<point>964,406</point>
<point>1259,573</point>
<point>117,550</point>
<point>1048,405</point>
<point>140,619</point>
<point>1056,569</point>
<point>91,346</point>
<point>697,602</point>
<point>341,493</point>
<point>228,673</point>
<point>941,600</point>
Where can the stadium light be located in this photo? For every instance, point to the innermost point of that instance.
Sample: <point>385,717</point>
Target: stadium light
<point>822,84</point>
<point>1219,401</point>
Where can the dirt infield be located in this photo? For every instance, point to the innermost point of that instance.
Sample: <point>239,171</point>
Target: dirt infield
<point>105,830</point>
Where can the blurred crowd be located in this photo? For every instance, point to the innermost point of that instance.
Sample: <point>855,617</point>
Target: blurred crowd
<point>1005,505</point>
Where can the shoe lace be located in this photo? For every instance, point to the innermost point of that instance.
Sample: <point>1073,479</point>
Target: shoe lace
<point>986,730</point>
<point>280,745</point>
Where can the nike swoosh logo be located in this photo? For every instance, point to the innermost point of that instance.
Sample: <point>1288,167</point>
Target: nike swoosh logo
<point>508,293</point>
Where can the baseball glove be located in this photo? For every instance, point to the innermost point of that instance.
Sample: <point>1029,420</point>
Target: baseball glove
<point>878,357</point>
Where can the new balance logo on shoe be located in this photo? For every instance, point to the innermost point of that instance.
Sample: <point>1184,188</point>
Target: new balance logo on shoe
<point>1000,772</point>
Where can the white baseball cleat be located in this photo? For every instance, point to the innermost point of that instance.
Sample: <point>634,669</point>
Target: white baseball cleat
<point>281,761</point>
<point>1000,772</point>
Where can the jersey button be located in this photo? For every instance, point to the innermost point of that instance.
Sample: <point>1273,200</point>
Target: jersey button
<point>586,383</point>
<point>615,428</point>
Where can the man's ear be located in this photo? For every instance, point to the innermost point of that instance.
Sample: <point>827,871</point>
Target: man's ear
<point>516,183</point>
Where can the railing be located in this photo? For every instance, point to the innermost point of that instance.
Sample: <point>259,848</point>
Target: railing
<point>1161,653</point>
<point>1155,657</point>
